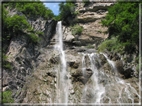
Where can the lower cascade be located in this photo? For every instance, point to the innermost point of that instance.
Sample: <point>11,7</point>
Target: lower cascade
<point>97,86</point>
<point>74,75</point>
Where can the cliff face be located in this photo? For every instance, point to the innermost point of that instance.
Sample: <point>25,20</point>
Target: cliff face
<point>22,54</point>
<point>90,77</point>
<point>89,17</point>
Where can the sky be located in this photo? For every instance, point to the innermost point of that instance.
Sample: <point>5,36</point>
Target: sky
<point>54,6</point>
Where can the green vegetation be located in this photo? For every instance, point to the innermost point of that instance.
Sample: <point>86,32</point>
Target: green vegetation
<point>33,37</point>
<point>7,97</point>
<point>67,10</point>
<point>17,24</point>
<point>110,44</point>
<point>122,21</point>
<point>6,64</point>
<point>32,9</point>
<point>76,29</point>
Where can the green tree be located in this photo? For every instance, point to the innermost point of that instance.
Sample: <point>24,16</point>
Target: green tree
<point>17,23</point>
<point>67,10</point>
<point>122,20</point>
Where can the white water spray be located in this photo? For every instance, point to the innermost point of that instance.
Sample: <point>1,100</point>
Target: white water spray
<point>62,81</point>
<point>102,85</point>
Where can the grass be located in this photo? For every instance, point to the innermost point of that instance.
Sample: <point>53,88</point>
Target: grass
<point>76,29</point>
<point>7,97</point>
<point>111,45</point>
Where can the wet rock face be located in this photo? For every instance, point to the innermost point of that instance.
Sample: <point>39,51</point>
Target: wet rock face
<point>124,66</point>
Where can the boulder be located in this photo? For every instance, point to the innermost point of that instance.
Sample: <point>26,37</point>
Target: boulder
<point>69,38</point>
<point>128,72</point>
<point>73,64</point>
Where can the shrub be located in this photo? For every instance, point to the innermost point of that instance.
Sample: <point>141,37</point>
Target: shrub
<point>17,23</point>
<point>76,29</point>
<point>32,9</point>
<point>33,37</point>
<point>122,21</point>
<point>7,97</point>
<point>107,44</point>
<point>40,33</point>
<point>6,64</point>
<point>67,10</point>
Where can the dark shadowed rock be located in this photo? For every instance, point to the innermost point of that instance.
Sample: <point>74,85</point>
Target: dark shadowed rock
<point>119,66</point>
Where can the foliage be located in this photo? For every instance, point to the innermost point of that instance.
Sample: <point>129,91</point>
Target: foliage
<point>122,22</point>
<point>33,37</point>
<point>17,23</point>
<point>7,97</point>
<point>107,44</point>
<point>66,10</point>
<point>39,33</point>
<point>76,29</point>
<point>6,64</point>
<point>32,9</point>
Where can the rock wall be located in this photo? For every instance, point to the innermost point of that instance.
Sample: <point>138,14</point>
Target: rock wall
<point>23,55</point>
<point>89,17</point>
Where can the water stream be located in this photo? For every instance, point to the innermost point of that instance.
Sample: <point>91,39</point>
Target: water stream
<point>62,79</point>
<point>102,87</point>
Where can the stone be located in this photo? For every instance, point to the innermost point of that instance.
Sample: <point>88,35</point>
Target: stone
<point>55,59</point>
<point>128,72</point>
<point>102,59</point>
<point>69,38</point>
<point>77,43</point>
<point>74,64</point>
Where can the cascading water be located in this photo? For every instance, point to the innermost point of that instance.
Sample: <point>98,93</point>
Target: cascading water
<point>101,88</point>
<point>62,80</point>
<point>102,85</point>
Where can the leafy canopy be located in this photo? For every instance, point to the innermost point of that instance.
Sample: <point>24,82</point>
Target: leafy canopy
<point>67,10</point>
<point>122,21</point>
<point>32,9</point>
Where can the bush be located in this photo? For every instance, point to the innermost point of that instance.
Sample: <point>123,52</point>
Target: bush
<point>6,64</point>
<point>67,10</point>
<point>107,44</point>
<point>40,33</point>
<point>17,23</point>
<point>122,21</point>
<point>33,38</point>
<point>76,29</point>
<point>32,9</point>
<point>7,97</point>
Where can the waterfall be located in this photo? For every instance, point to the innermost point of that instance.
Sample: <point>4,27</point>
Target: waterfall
<point>101,88</point>
<point>62,79</point>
